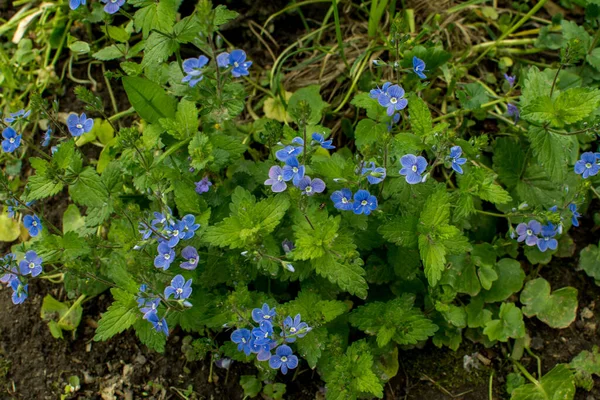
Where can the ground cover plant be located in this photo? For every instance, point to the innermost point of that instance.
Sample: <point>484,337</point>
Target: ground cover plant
<point>415,181</point>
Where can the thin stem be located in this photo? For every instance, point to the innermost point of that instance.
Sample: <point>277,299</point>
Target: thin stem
<point>555,78</point>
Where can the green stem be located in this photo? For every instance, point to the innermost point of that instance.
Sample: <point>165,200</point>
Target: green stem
<point>75,304</point>
<point>526,373</point>
<point>338,31</point>
<point>122,114</point>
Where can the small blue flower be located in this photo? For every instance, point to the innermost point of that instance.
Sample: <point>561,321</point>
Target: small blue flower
<point>31,265</point>
<point>21,114</point>
<point>457,161</point>
<point>191,256</point>
<point>294,328</point>
<point>175,233</point>
<point>189,226</point>
<point>20,291</point>
<point>11,141</point>
<point>412,168</point>
<point>79,125</point>
<point>276,180</point>
<point>528,232</point>
<point>47,138</point>
<point>311,186</point>
<point>393,100</point>
<point>242,338</point>
<point>375,93</point>
<point>165,256</point>
<point>513,111</point>
<point>287,246</point>
<point>293,170</point>
<point>288,151</point>
<point>142,295</point>
<point>547,241</point>
<point>395,119</point>
<point>263,314</point>
<point>262,334</point>
<point>179,288</point>
<point>374,175</point>
<point>193,68</point>
<point>203,185</point>
<point>150,307</point>
<point>9,276</point>
<point>326,144</point>
<point>74,4</point>
<point>587,166</point>
<point>364,202</point>
<point>283,359</point>
<point>575,216</point>
<point>162,221</point>
<point>263,352</point>
<point>144,230</point>
<point>510,79</point>
<point>342,199</point>
<point>112,6</point>
<point>159,325</point>
<point>235,59</point>
<point>419,67</point>
<point>32,224</point>
<point>11,206</point>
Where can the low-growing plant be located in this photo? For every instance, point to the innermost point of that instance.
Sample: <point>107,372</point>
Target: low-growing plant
<point>323,237</point>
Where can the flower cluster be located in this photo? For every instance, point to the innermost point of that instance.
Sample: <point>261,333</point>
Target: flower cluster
<point>391,97</point>
<point>362,203</point>
<point>15,278</point>
<point>262,340</point>
<point>535,234</point>
<point>12,140</point>
<point>194,67</point>
<point>148,305</point>
<point>293,170</point>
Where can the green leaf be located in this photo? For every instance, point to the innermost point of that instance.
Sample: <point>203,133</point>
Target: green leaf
<point>121,314</point>
<point>251,385</point>
<point>64,155</point>
<point>368,132</point>
<point>311,95</point>
<point>364,101</point>
<point>510,324</point>
<point>158,49</point>
<point>40,187</point>
<point>155,15</point>
<point>558,309</point>
<point>420,117</point>
<point>348,275</point>
<point>576,104</point>
<point>111,52</point>
<point>309,347</point>
<point>149,99</point>
<point>149,336</point>
<point>510,280</point>
<point>62,316</point>
<point>89,190</point>
<point>558,384</point>
<point>477,315</point>
<point>586,364</point>
<point>473,96</point>
<point>185,123</point>
<point>401,230</point>
<point>313,309</point>
<point>589,261</point>
<point>223,15</point>
<point>396,320</point>
<point>552,151</point>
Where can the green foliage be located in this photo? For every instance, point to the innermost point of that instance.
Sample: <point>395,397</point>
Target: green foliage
<point>589,261</point>
<point>508,325</point>
<point>121,314</point>
<point>558,309</point>
<point>586,364</point>
<point>558,384</point>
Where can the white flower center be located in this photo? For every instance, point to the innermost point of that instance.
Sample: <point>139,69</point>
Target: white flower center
<point>12,140</point>
<point>243,340</point>
<point>283,358</point>
<point>167,256</point>
<point>235,64</point>
<point>290,151</point>
<point>31,265</point>
<point>193,260</point>
<point>179,290</point>
<point>529,232</point>
<point>267,316</point>
<point>588,165</point>
<point>393,100</point>
<point>34,223</point>
<point>295,170</point>
<point>308,189</point>
<point>414,168</point>
<point>344,200</point>
<point>279,178</point>
<point>175,232</point>
<point>79,126</point>
<point>293,330</point>
<point>363,203</point>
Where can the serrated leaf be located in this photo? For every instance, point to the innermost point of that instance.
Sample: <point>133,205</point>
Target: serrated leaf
<point>401,230</point>
<point>348,275</point>
<point>368,132</point>
<point>121,314</point>
<point>158,49</point>
<point>558,384</point>
<point>149,336</point>
<point>310,346</point>
<point>558,309</point>
<point>420,116</point>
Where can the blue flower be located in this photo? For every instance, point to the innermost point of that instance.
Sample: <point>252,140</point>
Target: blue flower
<point>175,233</point>
<point>326,144</point>
<point>513,111</point>
<point>419,67</point>
<point>11,206</point>
<point>263,352</point>
<point>283,359</point>
<point>395,119</point>
<point>203,185</point>
<point>393,99</point>
<point>112,6</point>
<point>276,180</point>
<point>311,186</point>
<point>165,256</point>
<point>293,170</point>
<point>192,258</point>
<point>510,79</point>
<point>262,334</point>
<point>144,230</point>
<point>32,224</point>
<point>159,325</point>
<point>20,291</point>
<point>528,232</point>
<point>364,202</point>
<point>455,153</point>
<point>547,241</point>
<point>32,264</point>
<point>189,226</point>
<point>288,151</point>
<point>11,141</point>
<point>162,221</point>
<point>79,125</point>
<point>21,114</point>
<point>586,166</point>
<point>47,138</point>
<point>287,246</point>
<point>235,59</point>
<point>263,314</point>
<point>375,93</point>
<point>575,216</point>
<point>193,68</point>
<point>179,288</point>
<point>73,4</point>
<point>9,276</point>
<point>374,175</point>
<point>150,307</point>
<point>142,296</point>
<point>342,199</point>
<point>294,328</point>
<point>412,168</point>
<point>242,338</point>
